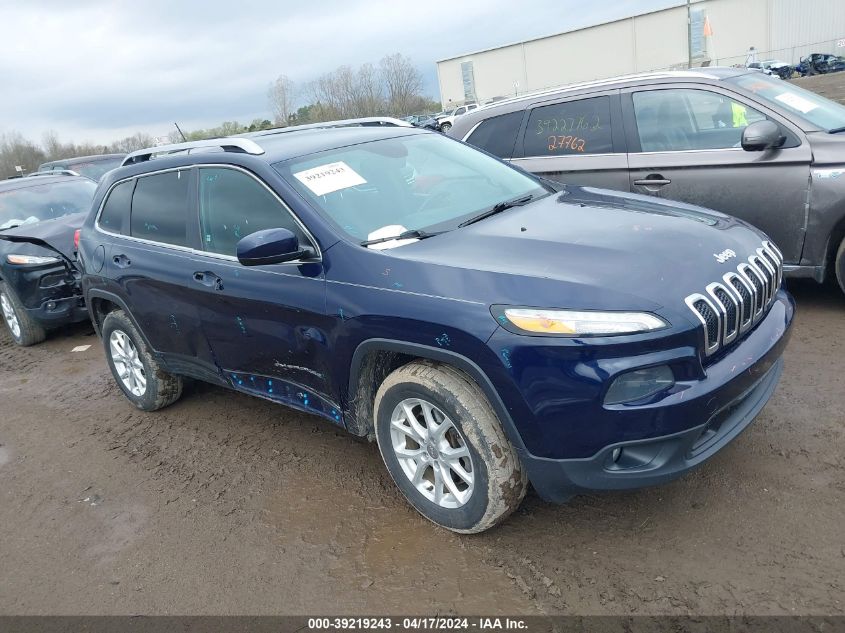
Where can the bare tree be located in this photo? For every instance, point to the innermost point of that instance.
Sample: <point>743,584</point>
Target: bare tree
<point>402,82</point>
<point>137,141</point>
<point>16,151</point>
<point>282,96</point>
<point>369,95</point>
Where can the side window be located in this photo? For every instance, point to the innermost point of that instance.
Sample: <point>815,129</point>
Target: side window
<point>686,119</point>
<point>116,207</point>
<point>234,205</point>
<point>160,208</point>
<point>460,110</point>
<point>497,135</point>
<point>570,128</point>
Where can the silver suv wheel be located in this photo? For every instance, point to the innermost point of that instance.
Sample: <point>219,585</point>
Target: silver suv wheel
<point>10,316</point>
<point>432,453</point>
<point>129,367</point>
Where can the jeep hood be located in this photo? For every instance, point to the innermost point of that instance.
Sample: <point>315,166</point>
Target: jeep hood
<point>590,248</point>
<point>57,235</point>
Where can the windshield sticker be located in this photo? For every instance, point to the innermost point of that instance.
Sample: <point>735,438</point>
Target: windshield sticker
<point>796,102</point>
<point>330,178</point>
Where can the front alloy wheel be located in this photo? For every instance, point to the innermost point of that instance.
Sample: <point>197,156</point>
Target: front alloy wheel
<point>445,448</point>
<point>432,453</point>
<point>10,316</point>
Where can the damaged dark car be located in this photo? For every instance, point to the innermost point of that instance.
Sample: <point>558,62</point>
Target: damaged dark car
<point>39,280</point>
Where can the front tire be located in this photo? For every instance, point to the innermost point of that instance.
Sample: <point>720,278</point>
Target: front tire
<point>445,448</point>
<point>445,127</point>
<point>24,329</point>
<point>137,373</point>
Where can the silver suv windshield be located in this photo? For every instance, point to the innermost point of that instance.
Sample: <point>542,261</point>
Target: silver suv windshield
<point>45,201</point>
<point>407,183</point>
<point>824,113</point>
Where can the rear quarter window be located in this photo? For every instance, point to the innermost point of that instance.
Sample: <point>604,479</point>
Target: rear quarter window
<point>570,128</point>
<point>497,135</point>
<point>160,208</point>
<point>116,208</point>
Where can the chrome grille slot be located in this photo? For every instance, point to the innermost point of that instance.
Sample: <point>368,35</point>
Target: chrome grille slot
<point>746,302</point>
<point>730,309</point>
<point>755,278</point>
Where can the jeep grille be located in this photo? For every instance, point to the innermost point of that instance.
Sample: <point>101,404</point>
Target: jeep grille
<point>730,307</point>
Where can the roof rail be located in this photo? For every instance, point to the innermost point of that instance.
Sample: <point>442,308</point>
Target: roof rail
<point>52,172</point>
<point>370,121</point>
<point>239,145</point>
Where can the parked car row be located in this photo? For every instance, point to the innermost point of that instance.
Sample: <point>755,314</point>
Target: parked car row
<point>486,326</point>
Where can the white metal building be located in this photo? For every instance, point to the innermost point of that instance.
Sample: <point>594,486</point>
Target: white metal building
<point>720,32</point>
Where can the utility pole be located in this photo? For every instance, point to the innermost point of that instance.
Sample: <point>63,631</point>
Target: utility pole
<point>689,34</point>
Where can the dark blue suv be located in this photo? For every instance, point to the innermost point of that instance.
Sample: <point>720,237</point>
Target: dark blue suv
<point>485,327</point>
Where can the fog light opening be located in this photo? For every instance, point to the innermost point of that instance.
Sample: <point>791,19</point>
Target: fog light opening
<point>639,384</point>
<point>51,305</point>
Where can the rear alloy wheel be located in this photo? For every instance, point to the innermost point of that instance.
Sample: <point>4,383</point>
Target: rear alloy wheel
<point>445,447</point>
<point>24,329</point>
<point>138,374</point>
<point>839,264</point>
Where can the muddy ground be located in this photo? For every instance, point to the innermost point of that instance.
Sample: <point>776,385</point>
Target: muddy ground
<point>225,504</point>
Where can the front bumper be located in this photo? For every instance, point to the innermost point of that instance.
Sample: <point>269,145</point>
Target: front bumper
<point>652,461</point>
<point>51,294</point>
<point>631,446</point>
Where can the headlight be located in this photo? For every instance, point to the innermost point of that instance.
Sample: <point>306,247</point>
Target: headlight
<point>639,384</point>
<point>587,323</point>
<point>31,260</point>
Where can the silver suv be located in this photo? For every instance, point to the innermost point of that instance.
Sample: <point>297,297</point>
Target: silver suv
<point>734,140</point>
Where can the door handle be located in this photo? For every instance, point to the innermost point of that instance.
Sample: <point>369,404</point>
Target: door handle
<point>208,279</point>
<point>653,180</point>
<point>121,261</point>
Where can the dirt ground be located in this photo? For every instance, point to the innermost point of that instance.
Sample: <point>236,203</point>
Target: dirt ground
<point>226,504</point>
<point>831,86</point>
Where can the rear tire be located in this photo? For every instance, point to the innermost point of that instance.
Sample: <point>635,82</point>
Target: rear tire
<point>445,448</point>
<point>25,330</point>
<point>839,265</point>
<point>136,372</point>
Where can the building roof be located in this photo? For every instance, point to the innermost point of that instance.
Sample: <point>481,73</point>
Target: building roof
<point>675,5</point>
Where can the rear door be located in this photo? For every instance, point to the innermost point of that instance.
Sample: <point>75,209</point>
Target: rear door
<point>578,140</point>
<point>685,145</point>
<point>153,259</point>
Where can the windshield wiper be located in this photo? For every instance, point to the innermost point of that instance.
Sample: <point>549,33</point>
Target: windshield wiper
<point>498,208</point>
<point>836,130</point>
<point>405,235</point>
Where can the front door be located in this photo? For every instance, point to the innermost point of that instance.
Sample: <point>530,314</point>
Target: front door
<point>266,324</point>
<point>685,145</point>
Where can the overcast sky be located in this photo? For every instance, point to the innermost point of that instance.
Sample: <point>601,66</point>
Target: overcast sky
<point>97,70</point>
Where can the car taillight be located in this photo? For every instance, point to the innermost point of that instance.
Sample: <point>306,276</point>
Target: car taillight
<point>76,238</point>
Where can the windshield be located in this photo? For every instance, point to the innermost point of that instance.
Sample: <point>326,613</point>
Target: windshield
<point>413,182</point>
<point>824,113</point>
<point>27,205</point>
<point>96,169</point>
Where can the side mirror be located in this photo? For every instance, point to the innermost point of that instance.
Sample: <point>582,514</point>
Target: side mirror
<point>762,135</point>
<point>271,246</point>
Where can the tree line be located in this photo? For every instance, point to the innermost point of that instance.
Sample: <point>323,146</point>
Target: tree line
<point>393,87</point>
